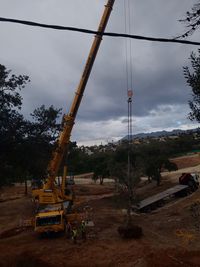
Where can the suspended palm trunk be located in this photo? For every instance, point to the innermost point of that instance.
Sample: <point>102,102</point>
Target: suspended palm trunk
<point>130,191</point>
<point>130,184</point>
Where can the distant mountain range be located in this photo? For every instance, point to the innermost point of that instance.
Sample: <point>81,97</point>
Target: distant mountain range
<point>161,133</point>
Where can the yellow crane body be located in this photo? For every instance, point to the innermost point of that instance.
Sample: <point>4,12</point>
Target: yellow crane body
<point>50,193</point>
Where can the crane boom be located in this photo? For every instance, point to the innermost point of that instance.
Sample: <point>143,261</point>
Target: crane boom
<point>69,119</point>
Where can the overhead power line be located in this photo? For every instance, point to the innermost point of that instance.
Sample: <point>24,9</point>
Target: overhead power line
<point>111,34</point>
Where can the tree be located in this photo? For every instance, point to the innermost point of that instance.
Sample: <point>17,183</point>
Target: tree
<point>193,80</point>
<point>77,160</point>
<point>155,159</point>
<point>155,165</point>
<point>170,166</point>
<point>192,20</point>
<point>35,150</point>
<point>25,146</point>
<point>100,163</point>
<point>119,167</point>
<point>44,124</point>
<point>12,123</point>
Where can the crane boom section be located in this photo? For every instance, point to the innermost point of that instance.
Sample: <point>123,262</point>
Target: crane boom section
<point>69,119</point>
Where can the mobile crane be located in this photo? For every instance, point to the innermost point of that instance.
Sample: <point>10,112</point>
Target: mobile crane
<point>53,202</point>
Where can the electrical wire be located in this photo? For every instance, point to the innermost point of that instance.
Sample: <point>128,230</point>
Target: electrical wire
<point>110,34</point>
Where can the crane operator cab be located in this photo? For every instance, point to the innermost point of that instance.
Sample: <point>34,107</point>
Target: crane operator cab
<point>50,218</point>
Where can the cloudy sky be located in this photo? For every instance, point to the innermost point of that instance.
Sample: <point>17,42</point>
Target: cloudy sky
<point>54,60</point>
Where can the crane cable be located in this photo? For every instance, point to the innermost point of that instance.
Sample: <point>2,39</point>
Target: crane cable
<point>129,64</point>
<point>130,46</point>
<point>129,87</point>
<point>126,47</point>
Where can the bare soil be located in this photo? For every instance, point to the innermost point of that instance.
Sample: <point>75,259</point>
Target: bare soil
<point>170,237</point>
<point>187,161</point>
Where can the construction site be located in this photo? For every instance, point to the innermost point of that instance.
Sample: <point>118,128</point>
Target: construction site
<point>135,202</point>
<point>170,233</point>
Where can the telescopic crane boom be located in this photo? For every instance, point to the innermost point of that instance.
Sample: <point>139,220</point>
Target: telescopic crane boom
<point>69,119</point>
<point>54,204</point>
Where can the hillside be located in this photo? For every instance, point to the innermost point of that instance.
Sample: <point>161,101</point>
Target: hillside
<point>161,134</point>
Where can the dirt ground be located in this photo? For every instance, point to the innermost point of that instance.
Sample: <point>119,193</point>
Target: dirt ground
<point>170,234</point>
<point>187,161</point>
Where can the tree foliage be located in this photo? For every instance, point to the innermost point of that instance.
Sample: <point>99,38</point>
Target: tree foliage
<point>119,165</point>
<point>44,123</point>
<point>191,20</point>
<point>146,159</point>
<point>193,80</point>
<point>25,146</point>
<point>155,159</point>
<point>37,146</point>
<point>12,123</point>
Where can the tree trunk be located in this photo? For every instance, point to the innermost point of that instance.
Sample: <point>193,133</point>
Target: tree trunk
<point>116,184</point>
<point>149,179</point>
<point>158,177</point>
<point>25,186</point>
<point>101,180</point>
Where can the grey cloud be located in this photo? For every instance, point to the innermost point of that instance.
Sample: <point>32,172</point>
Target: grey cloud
<point>54,60</point>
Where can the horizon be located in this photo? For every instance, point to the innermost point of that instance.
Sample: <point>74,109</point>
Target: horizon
<point>100,142</point>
